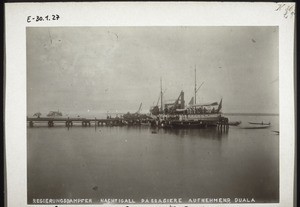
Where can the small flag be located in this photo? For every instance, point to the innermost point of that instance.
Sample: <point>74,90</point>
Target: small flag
<point>220,105</point>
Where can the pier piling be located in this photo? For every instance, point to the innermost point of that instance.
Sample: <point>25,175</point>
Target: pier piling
<point>223,124</point>
<point>50,123</point>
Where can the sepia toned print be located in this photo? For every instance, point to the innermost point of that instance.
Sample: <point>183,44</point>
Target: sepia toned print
<point>152,115</point>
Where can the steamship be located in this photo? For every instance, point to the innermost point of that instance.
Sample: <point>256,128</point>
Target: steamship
<point>176,114</point>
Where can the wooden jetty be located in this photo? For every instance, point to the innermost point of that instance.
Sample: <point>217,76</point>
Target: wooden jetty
<point>70,121</point>
<point>221,125</point>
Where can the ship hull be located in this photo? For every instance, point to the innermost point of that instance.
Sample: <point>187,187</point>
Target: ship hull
<point>191,121</point>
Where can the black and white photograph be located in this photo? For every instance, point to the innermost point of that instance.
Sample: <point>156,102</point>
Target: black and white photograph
<point>152,114</point>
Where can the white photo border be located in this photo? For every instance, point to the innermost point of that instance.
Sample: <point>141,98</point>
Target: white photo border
<point>141,14</point>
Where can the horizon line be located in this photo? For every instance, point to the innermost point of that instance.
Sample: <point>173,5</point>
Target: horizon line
<point>250,113</point>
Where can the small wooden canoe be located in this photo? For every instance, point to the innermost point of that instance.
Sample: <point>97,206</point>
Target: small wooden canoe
<point>255,127</point>
<point>260,123</point>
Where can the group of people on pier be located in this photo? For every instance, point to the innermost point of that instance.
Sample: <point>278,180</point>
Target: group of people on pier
<point>200,110</point>
<point>192,110</point>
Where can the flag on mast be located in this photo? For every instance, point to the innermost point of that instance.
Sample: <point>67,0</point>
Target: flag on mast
<point>191,101</point>
<point>220,105</point>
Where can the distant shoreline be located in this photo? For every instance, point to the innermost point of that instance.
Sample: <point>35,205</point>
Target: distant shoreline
<point>251,114</point>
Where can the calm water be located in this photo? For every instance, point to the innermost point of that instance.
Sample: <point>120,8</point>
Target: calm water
<point>134,163</point>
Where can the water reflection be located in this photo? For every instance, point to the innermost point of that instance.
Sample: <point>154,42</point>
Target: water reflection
<point>209,133</point>
<point>139,161</point>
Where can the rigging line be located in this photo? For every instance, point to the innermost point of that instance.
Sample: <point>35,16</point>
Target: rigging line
<point>199,87</point>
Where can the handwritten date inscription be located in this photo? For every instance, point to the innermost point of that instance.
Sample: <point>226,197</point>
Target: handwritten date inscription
<point>52,17</point>
<point>288,9</point>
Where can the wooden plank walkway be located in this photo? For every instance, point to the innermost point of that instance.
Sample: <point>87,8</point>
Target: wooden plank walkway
<point>70,121</point>
<point>42,119</point>
<point>221,123</point>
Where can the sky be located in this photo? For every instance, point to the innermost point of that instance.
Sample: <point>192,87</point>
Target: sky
<point>91,70</point>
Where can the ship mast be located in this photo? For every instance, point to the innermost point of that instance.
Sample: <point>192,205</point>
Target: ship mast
<point>195,87</point>
<point>161,95</point>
